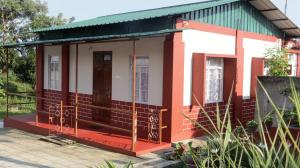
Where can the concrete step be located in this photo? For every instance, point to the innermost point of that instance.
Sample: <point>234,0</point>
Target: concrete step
<point>1,124</point>
<point>57,140</point>
<point>196,142</point>
<point>159,163</point>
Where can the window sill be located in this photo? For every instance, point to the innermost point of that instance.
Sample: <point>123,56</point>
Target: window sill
<point>57,90</point>
<point>215,103</point>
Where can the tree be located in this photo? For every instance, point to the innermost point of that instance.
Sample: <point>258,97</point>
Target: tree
<point>17,18</point>
<point>2,91</point>
<point>278,62</point>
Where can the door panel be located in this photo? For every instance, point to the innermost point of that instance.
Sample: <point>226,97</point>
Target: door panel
<point>102,84</point>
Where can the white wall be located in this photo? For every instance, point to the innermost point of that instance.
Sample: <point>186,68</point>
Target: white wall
<point>151,47</point>
<point>51,51</point>
<point>202,42</point>
<point>253,48</point>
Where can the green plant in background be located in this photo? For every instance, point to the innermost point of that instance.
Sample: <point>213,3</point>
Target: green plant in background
<point>15,85</point>
<point>277,62</point>
<point>2,89</point>
<point>239,131</point>
<point>268,121</point>
<point>252,124</point>
<point>291,117</point>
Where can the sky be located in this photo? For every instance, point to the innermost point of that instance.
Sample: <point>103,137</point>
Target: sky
<point>87,9</point>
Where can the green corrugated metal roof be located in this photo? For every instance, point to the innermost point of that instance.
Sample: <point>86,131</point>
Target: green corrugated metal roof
<point>93,38</point>
<point>138,15</point>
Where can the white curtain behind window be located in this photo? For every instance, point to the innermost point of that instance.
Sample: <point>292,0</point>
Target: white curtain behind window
<point>214,80</point>
<point>54,72</point>
<point>142,79</point>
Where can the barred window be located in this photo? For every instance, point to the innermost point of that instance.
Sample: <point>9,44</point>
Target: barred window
<point>54,69</point>
<point>214,80</point>
<point>142,79</point>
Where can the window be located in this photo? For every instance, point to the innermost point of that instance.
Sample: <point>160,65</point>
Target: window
<point>293,64</point>
<point>53,72</point>
<point>142,79</point>
<point>266,68</point>
<point>214,80</point>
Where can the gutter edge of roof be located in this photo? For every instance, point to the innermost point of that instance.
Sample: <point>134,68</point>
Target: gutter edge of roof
<point>93,38</point>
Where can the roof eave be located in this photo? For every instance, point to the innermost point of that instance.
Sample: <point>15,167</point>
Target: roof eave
<point>93,38</point>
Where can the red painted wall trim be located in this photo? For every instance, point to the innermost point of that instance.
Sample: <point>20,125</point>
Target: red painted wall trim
<point>229,78</point>
<point>198,79</point>
<point>182,24</point>
<point>65,61</point>
<point>238,93</point>
<point>257,69</point>
<point>167,86</point>
<point>257,36</point>
<point>220,56</point>
<point>39,75</point>
<point>173,85</point>
<point>298,65</point>
<point>294,51</point>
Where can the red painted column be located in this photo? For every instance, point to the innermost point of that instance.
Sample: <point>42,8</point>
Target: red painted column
<point>298,64</point>
<point>257,69</point>
<point>173,85</point>
<point>229,78</point>
<point>238,92</point>
<point>65,61</point>
<point>198,79</point>
<point>39,75</point>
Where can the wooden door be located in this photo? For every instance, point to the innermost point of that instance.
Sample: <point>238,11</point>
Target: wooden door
<point>102,83</point>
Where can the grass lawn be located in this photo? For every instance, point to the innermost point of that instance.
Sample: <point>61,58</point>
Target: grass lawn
<point>17,86</point>
<point>16,109</point>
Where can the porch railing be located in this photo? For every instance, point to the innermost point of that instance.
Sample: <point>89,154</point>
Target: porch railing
<point>157,125</point>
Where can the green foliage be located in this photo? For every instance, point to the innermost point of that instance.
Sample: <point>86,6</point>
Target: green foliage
<point>291,117</point>
<point>17,109</point>
<point>15,85</point>
<point>252,124</point>
<point>17,18</point>
<point>2,86</point>
<point>24,67</point>
<point>268,119</point>
<point>234,147</point>
<point>277,61</point>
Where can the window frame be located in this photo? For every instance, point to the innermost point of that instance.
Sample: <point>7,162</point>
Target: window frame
<point>292,59</point>
<point>138,86</point>
<point>221,81</point>
<point>56,85</point>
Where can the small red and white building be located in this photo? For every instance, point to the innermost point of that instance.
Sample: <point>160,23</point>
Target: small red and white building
<point>186,57</point>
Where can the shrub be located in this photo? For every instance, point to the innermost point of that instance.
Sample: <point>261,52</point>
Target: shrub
<point>227,148</point>
<point>268,119</point>
<point>252,124</point>
<point>2,89</point>
<point>277,61</point>
<point>291,117</point>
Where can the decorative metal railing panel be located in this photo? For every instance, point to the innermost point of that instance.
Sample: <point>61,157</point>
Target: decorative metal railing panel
<point>61,119</point>
<point>155,126</point>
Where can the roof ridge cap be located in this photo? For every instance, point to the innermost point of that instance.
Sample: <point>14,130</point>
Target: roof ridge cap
<point>164,7</point>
